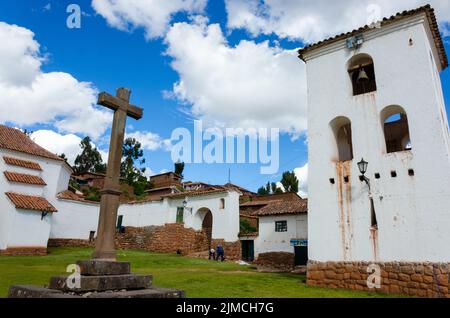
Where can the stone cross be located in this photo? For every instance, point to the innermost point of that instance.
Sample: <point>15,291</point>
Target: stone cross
<point>104,245</point>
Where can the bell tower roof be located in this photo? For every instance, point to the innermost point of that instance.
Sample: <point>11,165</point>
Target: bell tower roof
<point>427,10</point>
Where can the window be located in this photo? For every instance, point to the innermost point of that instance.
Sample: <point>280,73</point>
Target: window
<point>180,215</point>
<point>91,236</point>
<point>342,130</point>
<point>396,129</point>
<point>373,215</point>
<point>362,74</point>
<point>281,226</point>
<point>222,203</point>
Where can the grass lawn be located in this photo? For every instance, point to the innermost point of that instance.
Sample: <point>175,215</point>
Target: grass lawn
<point>199,278</point>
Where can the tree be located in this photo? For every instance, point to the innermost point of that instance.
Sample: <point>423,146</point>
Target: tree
<point>179,168</point>
<point>269,188</point>
<point>90,159</point>
<point>132,153</point>
<point>246,227</point>
<point>290,182</point>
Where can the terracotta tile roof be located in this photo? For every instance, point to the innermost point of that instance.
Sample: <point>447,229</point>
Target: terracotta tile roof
<point>14,139</point>
<point>284,208</point>
<point>195,193</point>
<point>22,163</point>
<point>24,178</point>
<point>69,195</point>
<point>252,234</point>
<point>239,188</point>
<point>257,203</point>
<point>28,202</point>
<point>428,10</point>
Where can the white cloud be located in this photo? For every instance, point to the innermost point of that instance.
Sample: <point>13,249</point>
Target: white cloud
<point>302,176</point>
<point>29,96</point>
<point>249,85</point>
<point>62,144</point>
<point>148,140</point>
<point>152,15</point>
<point>312,21</point>
<point>47,7</point>
<point>58,144</point>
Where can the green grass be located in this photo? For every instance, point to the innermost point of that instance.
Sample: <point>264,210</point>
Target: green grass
<point>199,278</point>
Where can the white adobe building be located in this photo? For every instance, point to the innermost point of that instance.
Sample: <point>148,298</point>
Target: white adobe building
<point>30,179</point>
<point>375,93</point>
<point>282,226</point>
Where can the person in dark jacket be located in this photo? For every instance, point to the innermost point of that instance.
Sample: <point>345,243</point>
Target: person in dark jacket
<point>220,253</point>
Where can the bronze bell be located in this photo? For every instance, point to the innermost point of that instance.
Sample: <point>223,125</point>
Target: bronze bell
<point>362,77</point>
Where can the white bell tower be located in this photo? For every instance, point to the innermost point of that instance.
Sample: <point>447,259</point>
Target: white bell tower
<point>376,94</point>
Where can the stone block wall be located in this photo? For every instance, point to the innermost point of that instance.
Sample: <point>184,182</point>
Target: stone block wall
<point>170,238</point>
<point>233,250</point>
<point>24,251</point>
<point>69,243</point>
<point>276,260</point>
<point>414,279</point>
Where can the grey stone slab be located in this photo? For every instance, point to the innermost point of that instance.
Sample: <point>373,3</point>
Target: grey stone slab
<point>153,292</point>
<point>26,291</point>
<point>103,283</point>
<point>100,268</point>
<point>41,292</point>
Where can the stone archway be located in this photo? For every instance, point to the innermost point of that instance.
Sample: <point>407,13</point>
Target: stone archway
<point>207,224</point>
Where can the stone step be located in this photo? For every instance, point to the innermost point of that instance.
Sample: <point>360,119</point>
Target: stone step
<point>102,283</point>
<point>101,268</point>
<point>26,291</point>
<point>152,292</point>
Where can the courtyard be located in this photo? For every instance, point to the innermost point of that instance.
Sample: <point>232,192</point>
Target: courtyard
<point>199,278</point>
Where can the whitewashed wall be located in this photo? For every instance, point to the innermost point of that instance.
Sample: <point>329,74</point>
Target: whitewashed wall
<point>225,221</point>
<point>28,229</point>
<point>25,228</point>
<point>271,241</point>
<point>77,219</point>
<point>74,220</point>
<point>413,212</point>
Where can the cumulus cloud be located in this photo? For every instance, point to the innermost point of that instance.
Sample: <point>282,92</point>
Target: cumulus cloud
<point>311,21</point>
<point>152,15</point>
<point>62,144</point>
<point>30,96</point>
<point>247,85</point>
<point>59,144</point>
<point>148,140</point>
<point>302,176</point>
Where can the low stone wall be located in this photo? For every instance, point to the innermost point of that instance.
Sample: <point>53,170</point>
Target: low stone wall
<point>233,250</point>
<point>55,242</point>
<point>276,260</point>
<point>24,251</point>
<point>414,279</point>
<point>170,238</point>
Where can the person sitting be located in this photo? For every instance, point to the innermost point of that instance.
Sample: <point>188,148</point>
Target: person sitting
<point>212,254</point>
<point>220,253</point>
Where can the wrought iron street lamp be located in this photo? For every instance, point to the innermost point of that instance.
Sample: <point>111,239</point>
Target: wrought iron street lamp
<point>362,166</point>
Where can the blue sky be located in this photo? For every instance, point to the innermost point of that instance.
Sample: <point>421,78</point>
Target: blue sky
<point>101,54</point>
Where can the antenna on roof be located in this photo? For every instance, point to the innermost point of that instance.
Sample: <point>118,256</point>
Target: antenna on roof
<point>229,175</point>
